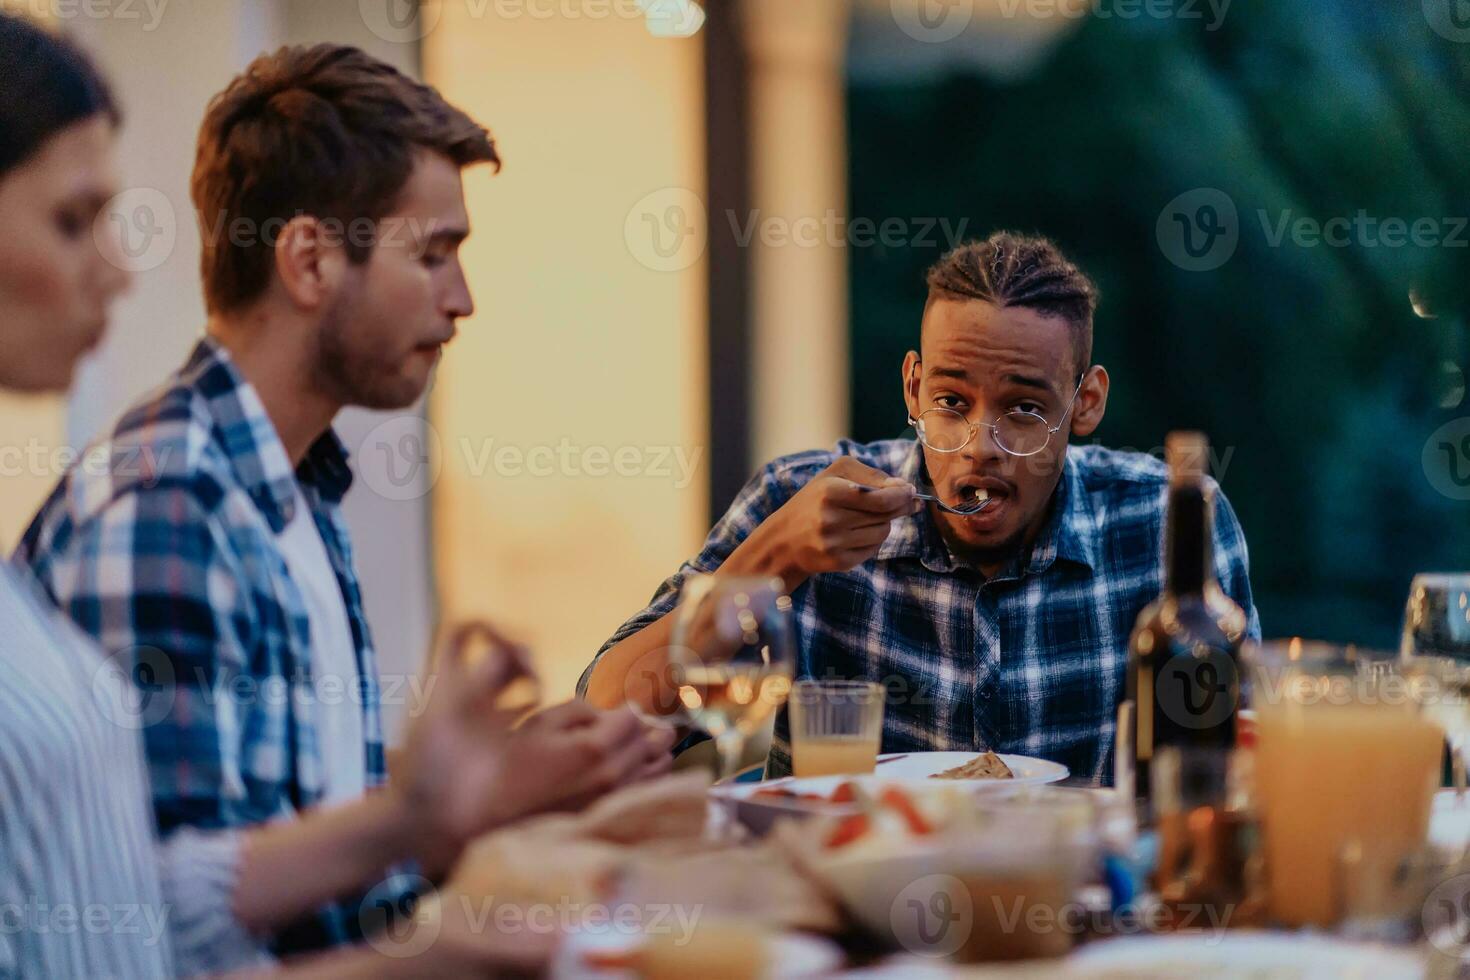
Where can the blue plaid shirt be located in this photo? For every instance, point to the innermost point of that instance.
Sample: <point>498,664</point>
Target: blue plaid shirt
<point>1031,661</point>
<point>161,543</point>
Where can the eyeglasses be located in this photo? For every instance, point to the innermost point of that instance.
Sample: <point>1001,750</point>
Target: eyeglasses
<point>1018,433</point>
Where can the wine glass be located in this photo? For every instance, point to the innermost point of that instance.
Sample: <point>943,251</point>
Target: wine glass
<point>1436,642</point>
<point>732,657</point>
<point>1437,618</point>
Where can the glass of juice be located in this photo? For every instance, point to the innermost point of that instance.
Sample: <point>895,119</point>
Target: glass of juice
<point>1346,766</point>
<point>836,727</point>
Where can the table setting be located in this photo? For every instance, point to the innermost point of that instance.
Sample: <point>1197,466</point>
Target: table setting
<point>1334,850</point>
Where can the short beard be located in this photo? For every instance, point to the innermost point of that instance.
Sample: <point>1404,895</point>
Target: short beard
<point>343,373</point>
<point>992,555</point>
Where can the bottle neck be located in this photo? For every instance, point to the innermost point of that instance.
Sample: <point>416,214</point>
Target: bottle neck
<point>1190,540</point>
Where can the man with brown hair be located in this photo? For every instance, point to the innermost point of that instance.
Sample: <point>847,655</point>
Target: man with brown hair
<point>1002,629</point>
<point>213,557</point>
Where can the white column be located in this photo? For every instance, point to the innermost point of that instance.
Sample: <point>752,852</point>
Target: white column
<point>799,365</point>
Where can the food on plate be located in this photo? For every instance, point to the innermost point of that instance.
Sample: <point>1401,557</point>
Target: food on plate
<point>844,793</point>
<point>987,765</point>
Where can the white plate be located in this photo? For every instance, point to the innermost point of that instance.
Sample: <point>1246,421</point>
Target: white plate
<point>793,955</point>
<point>1281,956</point>
<point>919,766</point>
<point>911,769</point>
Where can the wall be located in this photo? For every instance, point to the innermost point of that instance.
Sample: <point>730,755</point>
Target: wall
<point>587,341</point>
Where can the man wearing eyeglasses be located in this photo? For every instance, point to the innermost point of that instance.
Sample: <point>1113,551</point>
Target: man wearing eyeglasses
<point>997,613</point>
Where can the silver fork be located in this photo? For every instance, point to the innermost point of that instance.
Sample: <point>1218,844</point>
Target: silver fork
<point>975,508</point>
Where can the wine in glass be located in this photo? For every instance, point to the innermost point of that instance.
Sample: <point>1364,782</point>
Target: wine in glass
<point>732,657</point>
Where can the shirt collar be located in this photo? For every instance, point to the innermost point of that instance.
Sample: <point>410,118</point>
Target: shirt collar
<point>249,439</point>
<point>1069,533</point>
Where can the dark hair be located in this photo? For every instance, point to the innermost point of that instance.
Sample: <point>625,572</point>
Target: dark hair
<point>328,131</point>
<point>1008,269</point>
<point>46,84</point>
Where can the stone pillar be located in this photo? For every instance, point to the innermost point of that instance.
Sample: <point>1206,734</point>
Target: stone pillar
<point>799,365</point>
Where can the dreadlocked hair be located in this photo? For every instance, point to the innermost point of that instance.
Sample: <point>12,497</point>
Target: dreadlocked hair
<point>1009,269</point>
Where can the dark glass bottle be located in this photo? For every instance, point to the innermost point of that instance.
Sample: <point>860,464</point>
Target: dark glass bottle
<point>1184,660</point>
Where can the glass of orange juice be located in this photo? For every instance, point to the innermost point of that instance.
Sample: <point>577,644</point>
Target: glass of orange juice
<point>1345,766</point>
<point>836,727</point>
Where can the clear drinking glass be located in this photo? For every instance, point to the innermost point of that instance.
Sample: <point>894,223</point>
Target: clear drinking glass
<point>1437,617</point>
<point>1343,758</point>
<point>732,657</point>
<point>836,727</point>
<point>1436,642</point>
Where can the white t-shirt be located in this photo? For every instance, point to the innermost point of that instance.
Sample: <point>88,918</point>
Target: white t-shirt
<point>333,658</point>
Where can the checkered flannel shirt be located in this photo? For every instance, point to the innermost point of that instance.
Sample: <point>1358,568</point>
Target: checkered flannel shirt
<point>1031,661</point>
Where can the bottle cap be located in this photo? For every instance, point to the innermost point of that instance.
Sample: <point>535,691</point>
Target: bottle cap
<point>1186,454</point>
